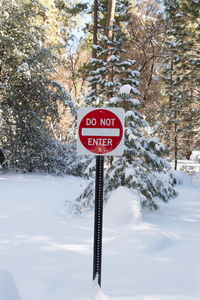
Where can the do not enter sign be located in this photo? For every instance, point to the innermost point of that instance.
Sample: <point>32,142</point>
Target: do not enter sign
<point>100,131</point>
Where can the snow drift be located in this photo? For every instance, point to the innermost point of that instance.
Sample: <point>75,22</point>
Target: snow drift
<point>8,289</point>
<point>181,178</point>
<point>123,208</point>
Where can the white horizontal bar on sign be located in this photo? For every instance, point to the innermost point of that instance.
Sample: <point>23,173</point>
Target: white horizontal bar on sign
<point>100,131</point>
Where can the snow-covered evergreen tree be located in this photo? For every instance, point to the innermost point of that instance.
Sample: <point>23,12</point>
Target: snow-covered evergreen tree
<point>140,167</point>
<point>29,98</point>
<point>111,70</point>
<point>180,75</point>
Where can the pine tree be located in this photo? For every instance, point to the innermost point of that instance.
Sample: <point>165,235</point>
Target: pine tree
<point>180,75</point>
<point>29,98</point>
<point>112,73</point>
<point>190,66</point>
<point>140,167</point>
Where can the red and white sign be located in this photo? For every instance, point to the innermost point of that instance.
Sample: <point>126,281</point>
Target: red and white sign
<point>100,131</point>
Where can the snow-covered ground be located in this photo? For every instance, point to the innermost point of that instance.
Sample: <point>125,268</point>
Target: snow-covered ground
<point>45,255</point>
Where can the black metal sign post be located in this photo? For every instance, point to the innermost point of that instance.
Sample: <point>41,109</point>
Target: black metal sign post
<point>98,219</point>
<point>100,132</point>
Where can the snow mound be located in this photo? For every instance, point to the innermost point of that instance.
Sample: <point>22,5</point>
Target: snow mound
<point>181,178</point>
<point>123,208</point>
<point>96,292</point>
<point>8,289</point>
<point>125,89</point>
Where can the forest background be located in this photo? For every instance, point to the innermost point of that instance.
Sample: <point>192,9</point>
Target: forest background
<point>47,73</point>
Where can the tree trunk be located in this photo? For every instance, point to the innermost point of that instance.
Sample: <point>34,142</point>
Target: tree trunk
<point>94,51</point>
<point>175,144</point>
<point>109,23</point>
<point>110,18</point>
<point>109,32</point>
<point>170,107</point>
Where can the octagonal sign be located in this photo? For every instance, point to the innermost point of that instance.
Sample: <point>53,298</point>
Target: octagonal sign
<point>100,131</point>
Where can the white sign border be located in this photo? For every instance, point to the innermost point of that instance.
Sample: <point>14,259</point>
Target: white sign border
<point>119,112</point>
